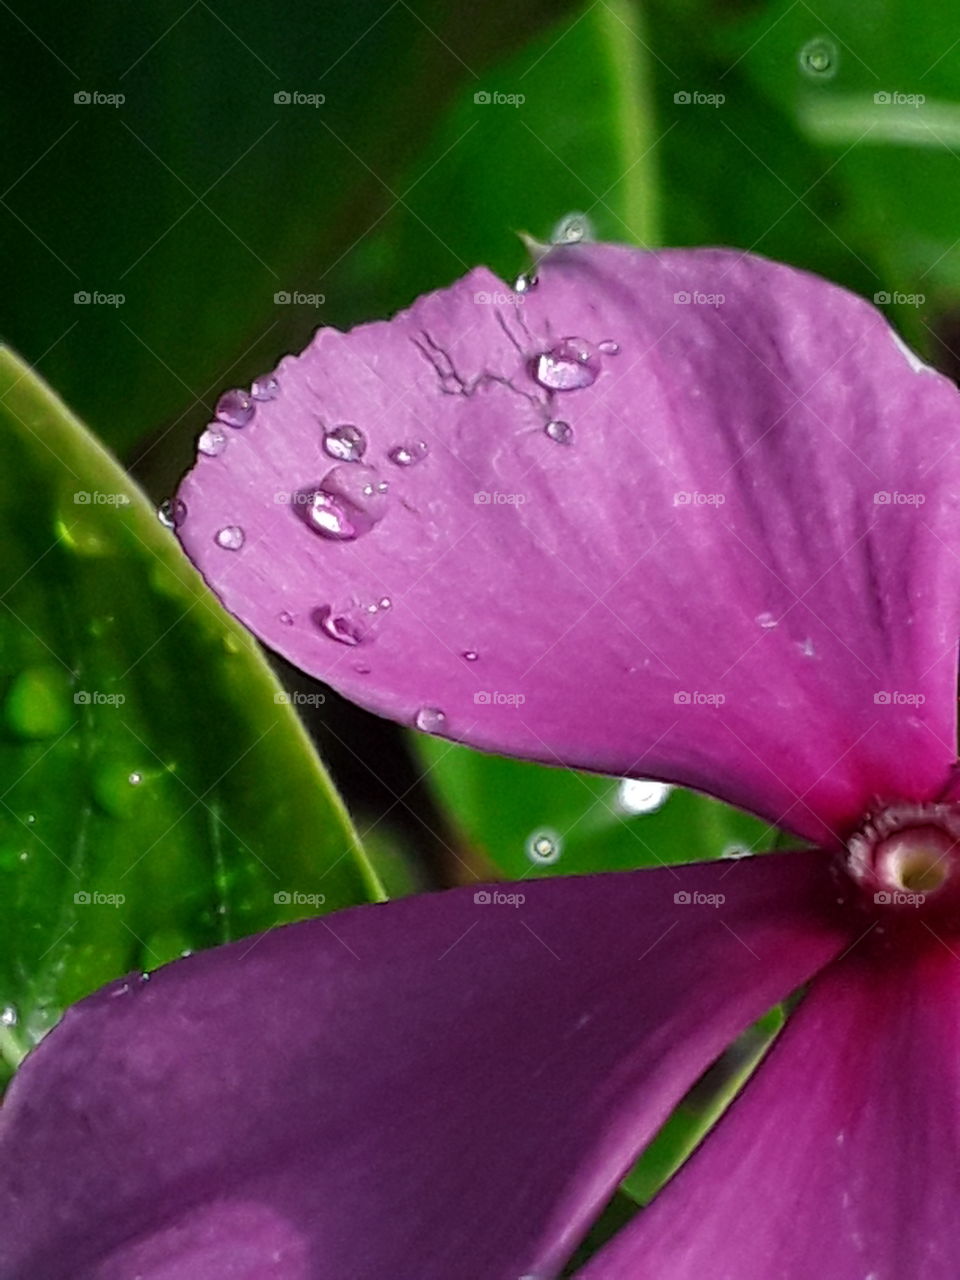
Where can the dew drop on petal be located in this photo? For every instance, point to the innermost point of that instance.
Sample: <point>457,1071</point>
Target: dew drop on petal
<point>470,655</point>
<point>525,282</point>
<point>406,455</point>
<point>430,720</point>
<point>641,795</point>
<point>265,388</point>
<point>608,347</point>
<point>212,442</point>
<point>346,443</point>
<point>348,503</point>
<point>346,626</point>
<point>235,408</point>
<point>544,847</point>
<point>172,513</point>
<point>766,620</point>
<point>571,364</point>
<point>384,603</point>
<point>231,537</point>
<point>285,618</point>
<point>561,432</point>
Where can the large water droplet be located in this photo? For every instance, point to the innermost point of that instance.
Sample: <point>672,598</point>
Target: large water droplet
<point>562,432</point>
<point>571,364</point>
<point>212,442</point>
<point>544,847</point>
<point>265,388</point>
<point>348,503</point>
<point>235,408</point>
<point>231,538</point>
<point>430,720</point>
<point>39,705</point>
<point>818,59</point>
<point>346,443</point>
<point>171,513</point>
<point>406,455</point>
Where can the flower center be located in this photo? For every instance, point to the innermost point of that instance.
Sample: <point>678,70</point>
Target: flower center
<point>908,856</point>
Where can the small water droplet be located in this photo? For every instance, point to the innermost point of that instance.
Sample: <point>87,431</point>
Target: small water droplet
<point>562,432</point>
<point>608,347</point>
<point>231,538</point>
<point>470,655</point>
<point>384,603</point>
<point>347,626</point>
<point>347,504</point>
<point>346,443</point>
<point>430,720</point>
<point>361,668</point>
<point>235,408</point>
<point>212,442</point>
<point>818,58</point>
<point>265,388</point>
<point>734,851</point>
<point>766,620</point>
<point>571,364</point>
<point>525,282</point>
<point>172,513</point>
<point>572,229</point>
<point>544,847</point>
<point>8,1016</point>
<point>285,618</point>
<point>806,648</point>
<point>407,455</point>
<point>135,779</point>
<point>31,818</point>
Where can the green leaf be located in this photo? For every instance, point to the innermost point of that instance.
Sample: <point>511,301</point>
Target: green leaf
<point>157,792</point>
<point>505,807</point>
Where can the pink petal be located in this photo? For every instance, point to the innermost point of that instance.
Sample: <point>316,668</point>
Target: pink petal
<point>699,588</point>
<point>840,1161</point>
<point>435,1087</point>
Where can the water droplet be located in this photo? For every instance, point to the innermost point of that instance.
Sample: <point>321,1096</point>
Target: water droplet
<point>430,720</point>
<point>347,626</point>
<point>212,442</point>
<point>172,513</point>
<point>231,538</point>
<point>734,851</point>
<point>571,364</point>
<point>384,603</point>
<point>265,388</point>
<point>818,59</point>
<point>8,1016</point>
<point>31,818</point>
<point>525,282</point>
<point>285,618</point>
<point>235,408</point>
<point>39,703</point>
<point>641,795</point>
<point>114,788</point>
<point>135,779</point>
<point>544,847</point>
<point>347,504</point>
<point>572,229</point>
<point>806,648</point>
<point>470,655</point>
<point>562,432</point>
<point>406,455</point>
<point>361,668</point>
<point>766,620</point>
<point>608,347</point>
<point>346,443</point>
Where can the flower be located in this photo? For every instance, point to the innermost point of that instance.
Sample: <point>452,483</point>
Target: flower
<point>693,515</point>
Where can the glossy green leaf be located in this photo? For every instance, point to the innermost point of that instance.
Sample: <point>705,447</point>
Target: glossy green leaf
<point>529,820</point>
<point>157,791</point>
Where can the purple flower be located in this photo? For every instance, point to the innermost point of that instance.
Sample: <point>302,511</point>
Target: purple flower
<point>683,515</point>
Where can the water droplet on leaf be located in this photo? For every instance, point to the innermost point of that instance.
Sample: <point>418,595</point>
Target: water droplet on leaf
<point>544,847</point>
<point>818,59</point>
<point>39,703</point>
<point>172,513</point>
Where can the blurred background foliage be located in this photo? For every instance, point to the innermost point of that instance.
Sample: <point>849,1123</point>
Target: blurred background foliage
<point>170,155</point>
